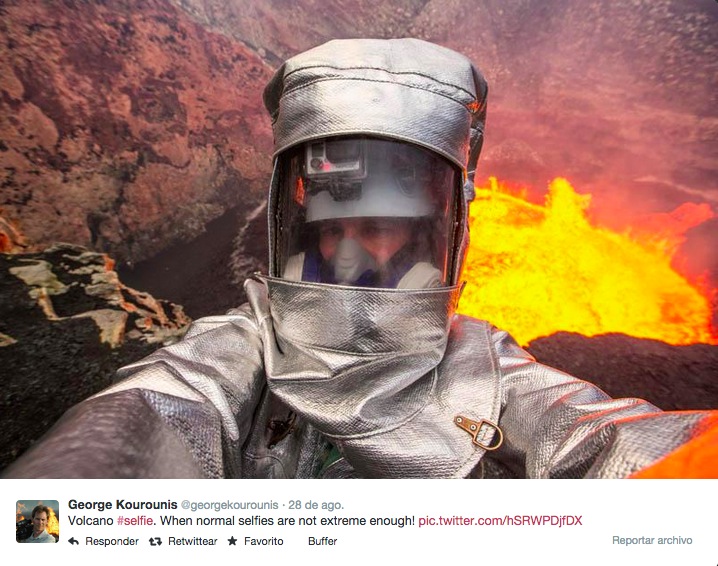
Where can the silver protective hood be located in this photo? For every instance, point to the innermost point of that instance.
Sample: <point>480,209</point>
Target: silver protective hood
<point>403,89</point>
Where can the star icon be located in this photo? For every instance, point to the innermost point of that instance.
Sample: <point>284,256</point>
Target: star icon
<point>232,541</point>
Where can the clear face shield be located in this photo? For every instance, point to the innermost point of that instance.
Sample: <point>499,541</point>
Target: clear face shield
<point>366,212</point>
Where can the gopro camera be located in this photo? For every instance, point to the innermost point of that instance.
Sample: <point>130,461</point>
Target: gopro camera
<point>337,158</point>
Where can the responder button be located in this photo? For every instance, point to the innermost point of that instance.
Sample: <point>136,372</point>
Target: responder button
<point>321,541</point>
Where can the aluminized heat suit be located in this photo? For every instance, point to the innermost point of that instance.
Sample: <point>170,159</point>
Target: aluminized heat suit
<point>310,379</point>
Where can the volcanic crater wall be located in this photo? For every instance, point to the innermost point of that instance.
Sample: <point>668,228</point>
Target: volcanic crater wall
<point>125,126</point>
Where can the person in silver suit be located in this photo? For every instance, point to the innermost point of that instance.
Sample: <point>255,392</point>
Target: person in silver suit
<point>348,359</point>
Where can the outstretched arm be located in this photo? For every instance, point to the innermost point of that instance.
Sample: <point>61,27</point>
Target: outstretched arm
<point>557,426</point>
<point>184,411</point>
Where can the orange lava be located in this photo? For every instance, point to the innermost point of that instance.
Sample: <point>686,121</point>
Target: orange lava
<point>535,270</point>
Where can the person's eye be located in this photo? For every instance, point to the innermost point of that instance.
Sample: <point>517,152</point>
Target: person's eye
<point>334,231</point>
<point>376,230</point>
<point>369,230</point>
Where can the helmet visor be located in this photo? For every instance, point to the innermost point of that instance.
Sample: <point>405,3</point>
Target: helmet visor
<point>365,212</point>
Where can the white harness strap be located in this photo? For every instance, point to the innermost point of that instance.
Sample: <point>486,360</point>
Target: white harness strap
<point>295,266</point>
<point>422,276</point>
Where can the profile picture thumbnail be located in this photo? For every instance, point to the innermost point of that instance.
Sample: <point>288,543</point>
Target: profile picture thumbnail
<point>36,521</point>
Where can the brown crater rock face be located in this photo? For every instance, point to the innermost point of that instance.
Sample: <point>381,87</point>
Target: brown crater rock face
<point>278,29</point>
<point>125,127</point>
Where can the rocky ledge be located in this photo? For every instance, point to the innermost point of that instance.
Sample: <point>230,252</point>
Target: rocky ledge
<point>66,324</point>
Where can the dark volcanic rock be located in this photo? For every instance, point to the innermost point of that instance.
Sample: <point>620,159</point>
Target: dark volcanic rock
<point>66,325</point>
<point>670,377</point>
<point>206,275</point>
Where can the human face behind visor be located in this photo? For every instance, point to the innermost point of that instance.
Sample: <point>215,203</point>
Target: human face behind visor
<point>365,212</point>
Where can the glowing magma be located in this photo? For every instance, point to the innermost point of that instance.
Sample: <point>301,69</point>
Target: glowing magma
<point>535,270</point>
